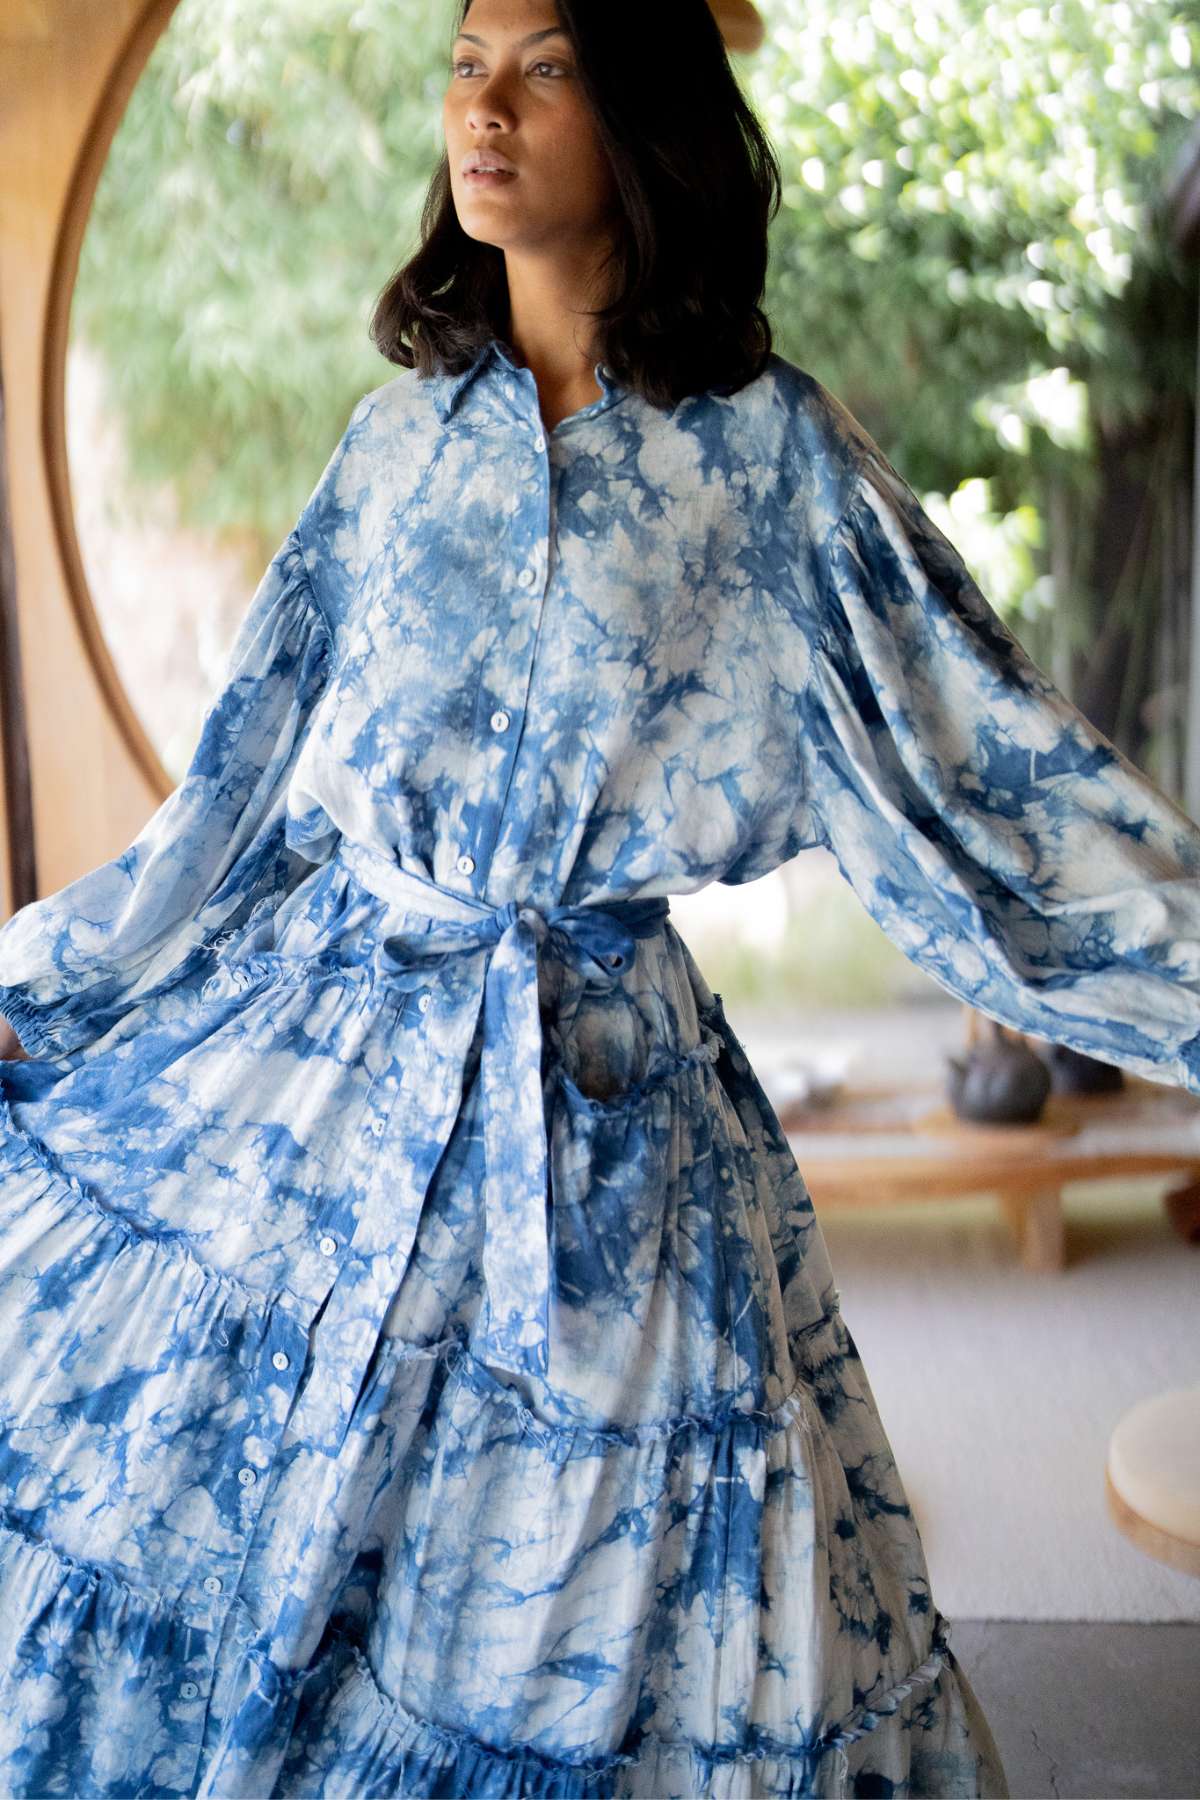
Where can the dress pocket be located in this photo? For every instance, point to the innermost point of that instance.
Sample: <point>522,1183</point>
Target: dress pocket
<point>641,1297</point>
<point>603,1046</point>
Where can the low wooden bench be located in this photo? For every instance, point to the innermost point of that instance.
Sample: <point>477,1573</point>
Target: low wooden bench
<point>888,1145</point>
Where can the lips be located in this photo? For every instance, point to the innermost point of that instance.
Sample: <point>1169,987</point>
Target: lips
<point>487,162</point>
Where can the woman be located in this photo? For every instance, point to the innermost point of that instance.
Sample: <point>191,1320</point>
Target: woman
<point>423,1371</point>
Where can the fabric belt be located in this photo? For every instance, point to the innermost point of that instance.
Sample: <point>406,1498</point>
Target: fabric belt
<point>597,940</point>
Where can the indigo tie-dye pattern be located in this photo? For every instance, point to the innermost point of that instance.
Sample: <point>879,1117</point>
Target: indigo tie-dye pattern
<point>421,1370</point>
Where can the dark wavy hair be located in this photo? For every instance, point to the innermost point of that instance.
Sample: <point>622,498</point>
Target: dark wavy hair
<point>698,184</point>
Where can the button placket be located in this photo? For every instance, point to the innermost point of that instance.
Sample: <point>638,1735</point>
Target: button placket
<point>512,672</point>
<point>264,1428</point>
<point>531,553</point>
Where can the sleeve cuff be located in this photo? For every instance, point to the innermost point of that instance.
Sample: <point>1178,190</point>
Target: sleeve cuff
<point>31,1023</point>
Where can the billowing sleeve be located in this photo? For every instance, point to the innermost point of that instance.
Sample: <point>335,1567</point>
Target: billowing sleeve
<point>1004,844</point>
<point>74,962</point>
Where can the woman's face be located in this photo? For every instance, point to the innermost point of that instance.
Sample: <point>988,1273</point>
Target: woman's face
<point>514,89</point>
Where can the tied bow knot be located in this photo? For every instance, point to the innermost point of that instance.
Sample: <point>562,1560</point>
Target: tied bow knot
<point>600,943</point>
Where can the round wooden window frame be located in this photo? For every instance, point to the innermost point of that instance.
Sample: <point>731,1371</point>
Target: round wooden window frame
<point>77,206</point>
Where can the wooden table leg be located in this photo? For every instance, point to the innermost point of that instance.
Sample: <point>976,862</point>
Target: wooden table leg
<point>1037,1224</point>
<point>1181,1204</point>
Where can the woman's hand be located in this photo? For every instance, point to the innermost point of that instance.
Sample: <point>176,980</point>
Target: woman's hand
<point>10,1044</point>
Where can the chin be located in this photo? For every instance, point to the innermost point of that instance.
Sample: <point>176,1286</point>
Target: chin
<point>486,237</point>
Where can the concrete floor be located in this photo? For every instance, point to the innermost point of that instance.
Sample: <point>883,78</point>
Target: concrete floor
<point>1098,1712</point>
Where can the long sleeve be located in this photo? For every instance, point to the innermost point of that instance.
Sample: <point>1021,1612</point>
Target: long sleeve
<point>1004,844</point>
<point>74,962</point>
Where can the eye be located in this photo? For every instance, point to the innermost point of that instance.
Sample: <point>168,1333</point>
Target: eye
<point>467,62</point>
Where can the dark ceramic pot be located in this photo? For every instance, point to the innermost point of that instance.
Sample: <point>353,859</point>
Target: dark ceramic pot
<point>1000,1081</point>
<point>1071,1072</point>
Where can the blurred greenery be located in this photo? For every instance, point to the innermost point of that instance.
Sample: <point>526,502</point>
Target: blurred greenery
<point>971,194</point>
<point>265,180</point>
<point>976,257</point>
<point>832,953</point>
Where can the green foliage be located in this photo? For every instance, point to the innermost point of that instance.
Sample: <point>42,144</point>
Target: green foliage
<point>975,256</point>
<point>832,953</point>
<point>971,194</point>
<point>265,181</point>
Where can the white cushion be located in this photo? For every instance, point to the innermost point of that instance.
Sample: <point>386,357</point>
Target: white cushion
<point>1154,1461</point>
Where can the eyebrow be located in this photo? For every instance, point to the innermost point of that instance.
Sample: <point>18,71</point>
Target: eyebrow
<point>535,37</point>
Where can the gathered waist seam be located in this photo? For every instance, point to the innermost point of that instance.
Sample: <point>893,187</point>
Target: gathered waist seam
<point>389,881</point>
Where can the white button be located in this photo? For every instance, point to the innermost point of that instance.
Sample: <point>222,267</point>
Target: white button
<point>328,1246</point>
<point>500,720</point>
<point>280,1359</point>
<point>377,1127</point>
<point>212,1584</point>
<point>465,864</point>
<point>188,1690</point>
<point>526,577</point>
<point>423,1003</point>
<point>539,443</point>
<point>247,1477</point>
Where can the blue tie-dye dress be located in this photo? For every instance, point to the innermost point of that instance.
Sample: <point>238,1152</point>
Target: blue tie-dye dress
<point>421,1370</point>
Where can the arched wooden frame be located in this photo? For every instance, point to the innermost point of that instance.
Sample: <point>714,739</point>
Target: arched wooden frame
<point>85,178</point>
<point>78,776</point>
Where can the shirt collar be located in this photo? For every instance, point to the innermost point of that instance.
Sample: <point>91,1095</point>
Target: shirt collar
<point>448,389</point>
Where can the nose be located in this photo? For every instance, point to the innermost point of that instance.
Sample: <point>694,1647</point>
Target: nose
<point>490,105</point>
<point>486,115</point>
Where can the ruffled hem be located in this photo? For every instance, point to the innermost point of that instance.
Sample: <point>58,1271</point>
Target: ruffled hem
<point>133,1371</point>
<point>105,1684</point>
<point>333,1732</point>
<point>105,1691</point>
<point>102,1682</point>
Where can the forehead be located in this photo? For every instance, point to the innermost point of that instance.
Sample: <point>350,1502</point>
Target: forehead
<point>503,21</point>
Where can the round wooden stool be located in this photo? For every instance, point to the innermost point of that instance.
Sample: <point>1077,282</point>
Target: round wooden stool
<point>1152,1479</point>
